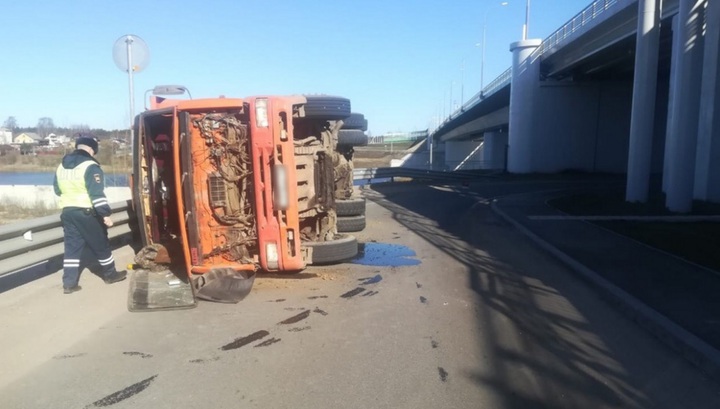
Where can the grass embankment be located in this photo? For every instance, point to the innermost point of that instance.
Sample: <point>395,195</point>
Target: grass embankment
<point>11,211</point>
<point>379,155</point>
<point>48,162</point>
<point>694,241</point>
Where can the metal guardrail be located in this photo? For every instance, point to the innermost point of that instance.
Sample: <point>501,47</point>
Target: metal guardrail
<point>45,238</point>
<point>27,243</point>
<point>371,174</point>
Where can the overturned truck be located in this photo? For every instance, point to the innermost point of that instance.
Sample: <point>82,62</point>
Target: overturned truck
<point>225,187</point>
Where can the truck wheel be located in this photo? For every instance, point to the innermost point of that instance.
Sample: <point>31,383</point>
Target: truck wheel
<point>326,107</point>
<point>352,137</point>
<point>343,248</point>
<point>354,206</point>
<point>350,223</point>
<point>355,121</point>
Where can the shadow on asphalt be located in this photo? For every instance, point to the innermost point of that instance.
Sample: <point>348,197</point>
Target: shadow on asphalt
<point>508,274</point>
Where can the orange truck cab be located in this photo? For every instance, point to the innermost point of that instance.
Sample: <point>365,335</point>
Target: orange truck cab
<point>212,183</point>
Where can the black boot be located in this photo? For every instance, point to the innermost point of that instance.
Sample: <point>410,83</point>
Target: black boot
<point>115,277</point>
<point>70,290</point>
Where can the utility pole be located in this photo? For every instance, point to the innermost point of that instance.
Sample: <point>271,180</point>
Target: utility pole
<point>482,61</point>
<point>462,83</point>
<point>526,26</point>
<point>452,85</point>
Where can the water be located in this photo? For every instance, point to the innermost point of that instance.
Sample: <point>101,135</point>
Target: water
<point>385,255</point>
<point>363,182</point>
<point>46,179</point>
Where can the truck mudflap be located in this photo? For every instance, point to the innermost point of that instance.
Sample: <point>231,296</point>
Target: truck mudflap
<point>157,282</point>
<point>158,290</point>
<point>225,285</point>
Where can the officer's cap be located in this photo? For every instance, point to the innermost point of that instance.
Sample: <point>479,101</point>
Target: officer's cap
<point>88,141</point>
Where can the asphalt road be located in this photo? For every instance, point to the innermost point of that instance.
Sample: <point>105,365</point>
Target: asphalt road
<point>457,310</point>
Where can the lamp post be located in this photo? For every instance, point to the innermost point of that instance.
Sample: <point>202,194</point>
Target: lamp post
<point>452,85</point>
<point>462,83</point>
<point>526,26</point>
<point>482,61</point>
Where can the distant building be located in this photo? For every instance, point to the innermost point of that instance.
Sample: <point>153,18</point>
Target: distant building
<point>27,138</point>
<point>5,136</point>
<point>119,143</point>
<point>57,140</point>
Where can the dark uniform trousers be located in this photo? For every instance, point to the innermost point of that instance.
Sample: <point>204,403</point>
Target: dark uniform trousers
<point>82,227</point>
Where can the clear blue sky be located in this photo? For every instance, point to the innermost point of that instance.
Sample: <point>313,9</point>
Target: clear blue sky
<point>397,61</point>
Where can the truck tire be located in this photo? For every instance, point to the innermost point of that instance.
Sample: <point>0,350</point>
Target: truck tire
<point>355,206</point>
<point>355,121</point>
<point>352,137</point>
<point>350,223</point>
<point>326,107</point>
<point>343,248</point>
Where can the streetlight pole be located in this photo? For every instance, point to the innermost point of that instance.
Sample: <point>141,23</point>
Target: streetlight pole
<point>129,41</point>
<point>482,61</point>
<point>526,26</point>
<point>452,85</point>
<point>462,83</point>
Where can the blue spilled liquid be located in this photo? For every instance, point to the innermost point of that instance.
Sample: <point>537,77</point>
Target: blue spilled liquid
<point>385,255</point>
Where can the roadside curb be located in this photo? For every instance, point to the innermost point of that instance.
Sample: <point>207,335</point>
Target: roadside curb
<point>690,347</point>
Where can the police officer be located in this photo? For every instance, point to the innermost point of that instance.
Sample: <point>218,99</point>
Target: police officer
<point>79,181</point>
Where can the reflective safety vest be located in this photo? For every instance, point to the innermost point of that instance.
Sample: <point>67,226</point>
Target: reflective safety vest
<point>71,182</point>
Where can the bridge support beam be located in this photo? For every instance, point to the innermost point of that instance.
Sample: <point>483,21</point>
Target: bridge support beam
<point>685,105</point>
<point>495,150</point>
<point>643,101</point>
<point>525,78</point>
<point>707,171</point>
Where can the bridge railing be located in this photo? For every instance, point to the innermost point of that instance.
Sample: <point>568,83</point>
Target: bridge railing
<point>495,85</point>
<point>580,20</point>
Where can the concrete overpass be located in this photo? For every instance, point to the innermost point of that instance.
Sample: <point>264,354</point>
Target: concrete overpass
<point>626,86</point>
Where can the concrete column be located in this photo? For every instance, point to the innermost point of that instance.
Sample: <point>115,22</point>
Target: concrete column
<point>525,78</point>
<point>669,141</point>
<point>686,106</point>
<point>643,104</point>
<point>707,171</point>
<point>462,154</point>
<point>487,159</point>
<point>494,150</point>
<point>497,148</point>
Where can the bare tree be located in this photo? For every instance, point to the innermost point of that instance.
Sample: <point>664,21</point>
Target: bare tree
<point>45,126</point>
<point>77,129</point>
<point>10,123</point>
